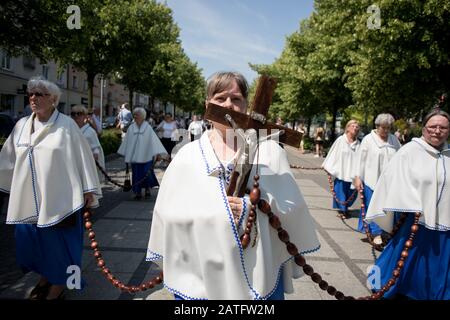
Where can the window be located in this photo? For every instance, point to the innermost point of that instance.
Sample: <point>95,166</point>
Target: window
<point>7,102</point>
<point>60,79</point>
<point>29,62</point>
<point>45,69</point>
<point>74,82</point>
<point>6,60</point>
<point>85,85</point>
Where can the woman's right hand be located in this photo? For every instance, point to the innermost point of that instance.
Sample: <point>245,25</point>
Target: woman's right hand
<point>358,183</point>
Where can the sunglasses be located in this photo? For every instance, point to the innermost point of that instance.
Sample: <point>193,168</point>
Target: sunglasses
<point>76,114</point>
<point>37,94</point>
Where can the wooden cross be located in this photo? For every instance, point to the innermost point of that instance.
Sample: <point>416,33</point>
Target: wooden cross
<point>256,120</point>
<point>258,114</point>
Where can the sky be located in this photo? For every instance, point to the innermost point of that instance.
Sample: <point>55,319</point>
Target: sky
<point>225,35</point>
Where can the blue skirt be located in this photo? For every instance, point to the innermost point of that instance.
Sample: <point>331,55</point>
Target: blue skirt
<point>374,229</point>
<point>343,193</point>
<point>426,273</point>
<point>278,294</point>
<point>139,170</point>
<point>50,251</point>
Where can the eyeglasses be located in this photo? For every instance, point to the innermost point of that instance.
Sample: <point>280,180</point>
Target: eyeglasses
<point>76,114</point>
<point>37,94</point>
<point>435,128</point>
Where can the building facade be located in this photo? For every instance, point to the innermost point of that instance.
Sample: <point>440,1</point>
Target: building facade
<point>16,71</point>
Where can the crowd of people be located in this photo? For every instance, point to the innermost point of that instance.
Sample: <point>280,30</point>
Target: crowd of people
<point>197,225</point>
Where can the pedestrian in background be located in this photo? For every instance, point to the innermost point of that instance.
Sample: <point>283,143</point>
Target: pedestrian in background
<point>319,138</point>
<point>141,148</point>
<point>339,163</point>
<point>375,152</point>
<point>79,115</point>
<point>168,127</point>
<point>124,119</point>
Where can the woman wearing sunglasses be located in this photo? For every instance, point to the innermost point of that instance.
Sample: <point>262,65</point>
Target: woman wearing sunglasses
<point>47,167</point>
<point>80,115</point>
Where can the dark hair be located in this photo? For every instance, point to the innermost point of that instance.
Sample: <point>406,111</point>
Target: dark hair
<point>219,81</point>
<point>435,112</point>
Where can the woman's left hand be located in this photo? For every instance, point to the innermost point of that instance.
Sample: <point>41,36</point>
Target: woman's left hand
<point>88,199</point>
<point>236,207</point>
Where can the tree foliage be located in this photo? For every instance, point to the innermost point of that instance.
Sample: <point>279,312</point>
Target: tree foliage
<point>335,62</point>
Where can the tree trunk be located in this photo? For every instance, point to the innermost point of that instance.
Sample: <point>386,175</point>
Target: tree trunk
<point>130,98</point>
<point>333,124</point>
<point>308,126</point>
<point>90,79</point>
<point>152,104</point>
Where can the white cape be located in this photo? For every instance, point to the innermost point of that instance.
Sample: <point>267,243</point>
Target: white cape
<point>373,156</point>
<point>92,138</point>
<point>341,158</point>
<point>194,233</point>
<point>416,180</point>
<point>41,169</point>
<point>141,144</point>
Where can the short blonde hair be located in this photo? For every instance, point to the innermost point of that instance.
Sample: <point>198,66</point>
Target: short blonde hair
<point>350,123</point>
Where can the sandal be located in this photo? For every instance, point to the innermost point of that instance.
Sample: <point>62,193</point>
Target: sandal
<point>40,292</point>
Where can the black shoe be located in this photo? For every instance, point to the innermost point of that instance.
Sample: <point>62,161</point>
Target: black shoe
<point>40,292</point>
<point>138,197</point>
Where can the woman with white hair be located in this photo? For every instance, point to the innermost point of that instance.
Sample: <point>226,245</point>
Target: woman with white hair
<point>46,166</point>
<point>419,178</point>
<point>339,163</point>
<point>140,146</point>
<point>376,150</point>
<point>80,115</point>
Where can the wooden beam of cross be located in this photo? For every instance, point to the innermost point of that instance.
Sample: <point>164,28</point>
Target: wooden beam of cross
<point>256,119</point>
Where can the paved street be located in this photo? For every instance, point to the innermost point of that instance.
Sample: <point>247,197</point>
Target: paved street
<point>122,227</point>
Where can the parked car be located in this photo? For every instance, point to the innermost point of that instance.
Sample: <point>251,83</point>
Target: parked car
<point>108,122</point>
<point>6,125</point>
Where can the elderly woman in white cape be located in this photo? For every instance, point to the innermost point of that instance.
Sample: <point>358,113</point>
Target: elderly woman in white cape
<point>47,167</point>
<point>417,180</point>
<point>80,115</point>
<point>196,226</point>
<point>141,147</point>
<point>339,163</point>
<point>375,152</point>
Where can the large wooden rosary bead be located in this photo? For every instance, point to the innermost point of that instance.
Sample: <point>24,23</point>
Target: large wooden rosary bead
<point>339,295</point>
<point>331,290</point>
<point>308,270</point>
<point>264,206</point>
<point>245,240</point>
<point>323,285</point>
<point>291,248</point>
<point>283,235</point>
<point>299,260</point>
<point>316,277</point>
<point>275,222</point>
<point>255,196</point>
